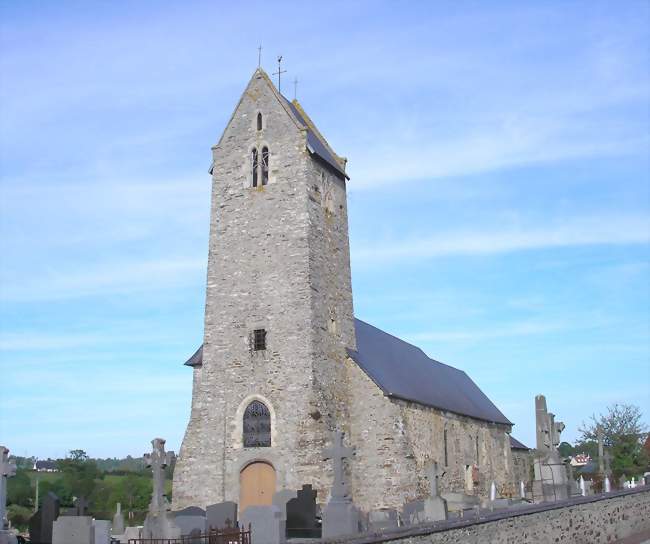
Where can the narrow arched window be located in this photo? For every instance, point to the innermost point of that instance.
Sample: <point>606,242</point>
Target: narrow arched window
<point>257,425</point>
<point>254,166</point>
<point>259,121</point>
<point>265,165</point>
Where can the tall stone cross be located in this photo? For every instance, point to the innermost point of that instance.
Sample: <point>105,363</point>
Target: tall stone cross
<point>433,472</point>
<point>601,456</point>
<point>608,460</point>
<point>7,470</point>
<point>157,461</point>
<point>337,452</point>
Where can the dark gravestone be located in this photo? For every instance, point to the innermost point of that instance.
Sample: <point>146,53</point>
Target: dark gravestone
<point>40,524</point>
<point>301,515</point>
<point>218,514</point>
<point>190,519</point>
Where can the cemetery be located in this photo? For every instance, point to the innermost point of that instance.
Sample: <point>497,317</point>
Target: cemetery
<point>552,504</point>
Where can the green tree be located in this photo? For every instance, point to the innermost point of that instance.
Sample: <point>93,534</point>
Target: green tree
<point>79,474</point>
<point>19,489</point>
<point>565,449</point>
<point>623,435</point>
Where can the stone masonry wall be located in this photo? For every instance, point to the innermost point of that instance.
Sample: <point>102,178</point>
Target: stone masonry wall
<point>275,262</point>
<point>396,440</point>
<point>587,520</point>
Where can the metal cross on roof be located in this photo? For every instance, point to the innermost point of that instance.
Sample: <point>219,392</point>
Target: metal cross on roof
<point>7,470</point>
<point>337,452</point>
<point>295,88</point>
<point>279,73</point>
<point>259,56</point>
<point>157,461</point>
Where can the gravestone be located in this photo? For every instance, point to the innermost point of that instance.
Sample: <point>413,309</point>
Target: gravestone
<point>159,523</point>
<point>73,530</point>
<point>80,508</point>
<point>340,516</point>
<point>413,512</point>
<point>118,520</point>
<point>281,498</point>
<point>381,520</point>
<point>102,531</point>
<point>7,470</point>
<point>267,524</point>
<point>40,524</point>
<point>218,514</point>
<point>189,519</point>
<point>301,515</point>
<point>435,507</point>
<point>550,482</point>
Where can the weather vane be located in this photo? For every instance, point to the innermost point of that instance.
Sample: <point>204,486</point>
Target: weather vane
<point>295,89</point>
<point>279,73</point>
<point>259,56</point>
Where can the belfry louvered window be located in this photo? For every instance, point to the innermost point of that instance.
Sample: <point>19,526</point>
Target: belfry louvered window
<point>254,166</point>
<point>265,165</point>
<point>257,425</point>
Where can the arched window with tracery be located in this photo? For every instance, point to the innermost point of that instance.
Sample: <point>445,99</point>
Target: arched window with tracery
<point>259,121</point>
<point>257,425</point>
<point>254,162</point>
<point>265,165</point>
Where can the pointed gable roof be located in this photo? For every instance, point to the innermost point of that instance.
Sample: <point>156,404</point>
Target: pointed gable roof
<point>316,143</point>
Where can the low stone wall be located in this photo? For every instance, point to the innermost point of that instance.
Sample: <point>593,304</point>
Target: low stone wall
<point>584,520</point>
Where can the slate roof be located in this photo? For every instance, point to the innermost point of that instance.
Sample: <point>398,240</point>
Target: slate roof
<point>315,145</point>
<point>404,371</point>
<point>197,358</point>
<point>516,445</point>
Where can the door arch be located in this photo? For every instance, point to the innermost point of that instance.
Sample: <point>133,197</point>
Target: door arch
<point>256,485</point>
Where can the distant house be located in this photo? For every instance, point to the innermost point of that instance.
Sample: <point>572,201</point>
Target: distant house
<point>45,466</point>
<point>580,460</point>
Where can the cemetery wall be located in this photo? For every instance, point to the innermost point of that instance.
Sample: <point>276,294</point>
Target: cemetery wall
<point>585,520</point>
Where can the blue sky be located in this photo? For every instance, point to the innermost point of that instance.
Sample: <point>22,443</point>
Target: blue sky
<point>499,197</point>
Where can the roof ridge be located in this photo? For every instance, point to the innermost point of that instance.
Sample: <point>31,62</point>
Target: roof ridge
<point>341,160</point>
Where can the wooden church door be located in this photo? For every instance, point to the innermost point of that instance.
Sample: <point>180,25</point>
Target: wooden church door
<point>256,485</point>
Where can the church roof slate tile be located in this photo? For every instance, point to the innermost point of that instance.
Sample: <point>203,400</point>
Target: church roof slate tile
<point>516,445</point>
<point>315,143</point>
<point>402,370</point>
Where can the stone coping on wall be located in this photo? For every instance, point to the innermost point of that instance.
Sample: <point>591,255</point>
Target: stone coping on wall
<point>484,517</point>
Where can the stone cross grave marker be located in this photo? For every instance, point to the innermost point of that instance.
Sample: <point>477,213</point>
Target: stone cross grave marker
<point>337,453</point>
<point>433,473</point>
<point>157,461</point>
<point>7,470</point>
<point>80,507</point>
<point>601,457</point>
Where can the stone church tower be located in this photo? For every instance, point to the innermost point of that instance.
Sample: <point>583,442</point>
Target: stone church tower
<point>284,362</point>
<point>278,315</point>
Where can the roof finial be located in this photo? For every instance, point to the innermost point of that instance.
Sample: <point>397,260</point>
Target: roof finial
<point>259,56</point>
<point>295,88</point>
<point>279,73</point>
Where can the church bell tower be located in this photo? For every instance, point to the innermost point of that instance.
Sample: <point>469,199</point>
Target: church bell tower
<point>269,382</point>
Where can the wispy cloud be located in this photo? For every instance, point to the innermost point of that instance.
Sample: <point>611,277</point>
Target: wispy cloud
<point>109,279</point>
<point>576,232</point>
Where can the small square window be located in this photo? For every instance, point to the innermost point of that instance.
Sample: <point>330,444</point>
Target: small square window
<point>259,339</point>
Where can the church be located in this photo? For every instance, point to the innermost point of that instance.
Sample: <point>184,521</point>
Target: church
<point>285,362</point>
